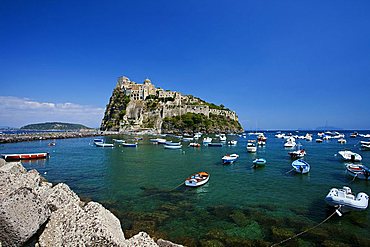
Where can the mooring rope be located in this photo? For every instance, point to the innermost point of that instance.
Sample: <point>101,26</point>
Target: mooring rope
<point>299,234</point>
<point>290,171</point>
<point>353,179</point>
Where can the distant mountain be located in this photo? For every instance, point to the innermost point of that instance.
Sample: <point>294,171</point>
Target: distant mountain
<point>54,126</point>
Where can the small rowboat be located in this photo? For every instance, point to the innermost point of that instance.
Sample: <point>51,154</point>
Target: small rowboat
<point>103,145</point>
<point>259,162</point>
<point>346,200</point>
<point>170,143</point>
<point>129,144</point>
<point>359,171</point>
<point>15,157</point>
<point>215,144</point>
<point>301,166</point>
<point>197,179</point>
<point>172,147</point>
<point>229,159</point>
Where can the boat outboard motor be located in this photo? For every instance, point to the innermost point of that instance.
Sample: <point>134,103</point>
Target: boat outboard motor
<point>353,157</point>
<point>301,169</point>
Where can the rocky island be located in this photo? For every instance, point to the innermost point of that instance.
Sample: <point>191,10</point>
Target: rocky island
<point>137,107</point>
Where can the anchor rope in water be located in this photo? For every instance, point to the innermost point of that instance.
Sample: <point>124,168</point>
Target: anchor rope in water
<point>309,229</point>
<point>290,171</point>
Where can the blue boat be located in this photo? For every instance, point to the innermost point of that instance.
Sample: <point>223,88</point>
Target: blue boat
<point>301,166</point>
<point>215,144</point>
<point>229,159</point>
<point>259,162</point>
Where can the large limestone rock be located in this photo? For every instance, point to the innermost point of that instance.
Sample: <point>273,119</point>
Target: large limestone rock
<point>22,212</point>
<point>166,243</point>
<point>141,239</point>
<point>61,196</point>
<point>92,225</point>
<point>22,207</point>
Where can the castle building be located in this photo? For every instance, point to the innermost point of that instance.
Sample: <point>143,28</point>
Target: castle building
<point>134,90</point>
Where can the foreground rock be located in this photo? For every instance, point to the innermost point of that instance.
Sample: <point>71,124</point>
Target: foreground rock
<point>28,203</point>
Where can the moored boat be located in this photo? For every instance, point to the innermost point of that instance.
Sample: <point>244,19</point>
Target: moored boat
<point>259,162</point>
<point>350,156</point>
<point>158,140</point>
<point>232,143</point>
<point>207,140</point>
<point>170,143</point>
<point>129,144</point>
<point>172,147</point>
<point>197,179</point>
<point>297,154</point>
<point>347,201</point>
<point>27,156</point>
<point>358,171</point>
<point>342,141</point>
<point>318,140</point>
<point>194,144</point>
<point>215,144</point>
<point>104,145</point>
<point>251,147</point>
<point>301,166</point>
<point>229,159</point>
<point>290,143</point>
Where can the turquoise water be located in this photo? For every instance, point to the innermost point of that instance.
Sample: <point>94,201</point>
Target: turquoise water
<point>239,206</point>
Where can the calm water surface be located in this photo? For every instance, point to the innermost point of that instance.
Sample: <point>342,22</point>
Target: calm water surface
<point>240,206</point>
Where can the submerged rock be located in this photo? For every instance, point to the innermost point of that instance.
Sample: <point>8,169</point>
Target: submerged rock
<point>141,239</point>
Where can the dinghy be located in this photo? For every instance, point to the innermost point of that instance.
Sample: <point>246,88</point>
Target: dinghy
<point>301,166</point>
<point>259,162</point>
<point>103,145</point>
<point>358,171</point>
<point>229,159</point>
<point>350,156</point>
<point>347,201</point>
<point>129,144</point>
<point>172,147</point>
<point>25,156</point>
<point>197,179</point>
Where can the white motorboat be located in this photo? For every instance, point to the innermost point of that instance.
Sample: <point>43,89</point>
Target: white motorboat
<point>170,143</point>
<point>197,135</point>
<point>318,140</point>
<point>290,143</point>
<point>297,154</point>
<point>301,166</point>
<point>280,135</point>
<point>308,137</point>
<point>342,141</point>
<point>229,159</point>
<point>194,144</point>
<point>222,137</point>
<point>350,156</point>
<point>158,140</point>
<point>251,147</point>
<point>347,201</point>
<point>207,140</point>
<point>232,143</point>
<point>187,139</point>
<point>365,147</point>
<point>197,179</point>
<point>358,171</point>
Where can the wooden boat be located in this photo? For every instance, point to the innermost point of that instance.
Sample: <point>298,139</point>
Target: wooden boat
<point>103,145</point>
<point>172,147</point>
<point>346,200</point>
<point>358,171</point>
<point>197,179</point>
<point>229,159</point>
<point>350,156</point>
<point>30,156</point>
<point>301,166</point>
<point>259,162</point>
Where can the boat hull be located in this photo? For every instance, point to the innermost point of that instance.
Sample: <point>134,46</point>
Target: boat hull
<point>197,179</point>
<point>172,147</point>
<point>358,171</point>
<point>301,166</point>
<point>347,201</point>
<point>30,156</point>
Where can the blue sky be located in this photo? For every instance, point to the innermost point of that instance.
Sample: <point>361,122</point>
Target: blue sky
<point>278,64</point>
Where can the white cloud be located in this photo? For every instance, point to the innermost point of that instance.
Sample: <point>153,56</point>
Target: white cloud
<point>16,112</point>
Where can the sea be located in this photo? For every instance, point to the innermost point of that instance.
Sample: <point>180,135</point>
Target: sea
<point>239,206</point>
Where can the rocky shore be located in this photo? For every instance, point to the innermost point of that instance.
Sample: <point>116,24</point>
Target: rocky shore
<point>36,136</point>
<point>53,215</point>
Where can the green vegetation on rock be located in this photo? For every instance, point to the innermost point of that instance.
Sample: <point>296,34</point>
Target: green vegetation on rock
<point>115,110</point>
<point>54,126</point>
<point>192,122</point>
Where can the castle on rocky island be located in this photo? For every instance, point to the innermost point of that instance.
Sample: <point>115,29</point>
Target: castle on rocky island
<point>148,106</point>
